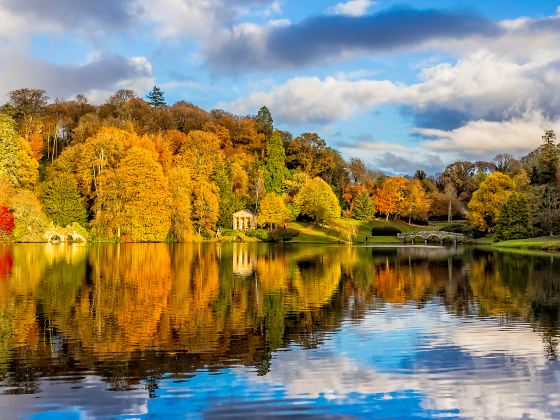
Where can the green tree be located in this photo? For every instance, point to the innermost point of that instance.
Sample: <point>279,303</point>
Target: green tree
<point>229,201</point>
<point>62,201</point>
<point>547,168</point>
<point>264,121</point>
<point>309,153</point>
<point>317,200</point>
<point>156,98</point>
<point>27,101</point>
<point>488,199</point>
<point>513,219</point>
<point>275,171</point>
<point>273,211</point>
<point>363,207</point>
<point>461,175</point>
<point>546,199</point>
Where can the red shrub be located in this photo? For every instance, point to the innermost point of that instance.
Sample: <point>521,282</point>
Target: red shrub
<point>7,222</point>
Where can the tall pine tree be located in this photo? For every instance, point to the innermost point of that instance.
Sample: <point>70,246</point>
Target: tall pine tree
<point>363,206</point>
<point>548,159</point>
<point>156,98</point>
<point>265,122</point>
<point>275,171</point>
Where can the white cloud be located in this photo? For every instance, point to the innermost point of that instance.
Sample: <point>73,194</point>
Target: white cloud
<point>304,99</point>
<point>504,103</point>
<point>484,85</point>
<point>352,7</point>
<point>480,86</point>
<point>488,387</point>
<point>96,79</point>
<point>484,139</point>
<point>206,20</point>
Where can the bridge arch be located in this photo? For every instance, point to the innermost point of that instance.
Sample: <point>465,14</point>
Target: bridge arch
<point>425,235</point>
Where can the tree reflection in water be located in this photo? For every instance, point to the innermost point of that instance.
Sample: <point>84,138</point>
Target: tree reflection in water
<point>133,313</point>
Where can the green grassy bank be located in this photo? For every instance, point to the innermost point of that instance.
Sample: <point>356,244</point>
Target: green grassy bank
<point>543,243</point>
<point>312,233</point>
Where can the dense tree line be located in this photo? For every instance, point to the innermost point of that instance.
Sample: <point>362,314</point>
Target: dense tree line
<point>136,170</point>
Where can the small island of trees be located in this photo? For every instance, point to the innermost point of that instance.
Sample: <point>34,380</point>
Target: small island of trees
<point>141,171</point>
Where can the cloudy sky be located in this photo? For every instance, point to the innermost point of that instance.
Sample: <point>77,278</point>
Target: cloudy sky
<point>403,86</point>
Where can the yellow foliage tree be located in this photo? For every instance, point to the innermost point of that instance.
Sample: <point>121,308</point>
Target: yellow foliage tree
<point>317,200</point>
<point>415,202</point>
<point>27,166</point>
<point>16,158</point>
<point>205,205</point>
<point>180,187</point>
<point>273,211</point>
<point>104,151</point>
<point>487,201</point>
<point>200,153</point>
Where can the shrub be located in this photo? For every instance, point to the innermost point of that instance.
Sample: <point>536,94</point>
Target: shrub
<point>464,228</point>
<point>260,234</point>
<point>345,231</point>
<point>206,234</point>
<point>228,232</point>
<point>385,231</point>
<point>80,230</point>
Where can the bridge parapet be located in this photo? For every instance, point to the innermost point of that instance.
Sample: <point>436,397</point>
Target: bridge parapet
<point>58,234</point>
<point>425,235</point>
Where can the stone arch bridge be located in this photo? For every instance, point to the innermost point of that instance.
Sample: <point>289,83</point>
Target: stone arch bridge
<point>425,235</point>
<point>57,235</point>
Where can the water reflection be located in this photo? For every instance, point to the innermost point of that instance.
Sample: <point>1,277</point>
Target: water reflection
<point>302,330</point>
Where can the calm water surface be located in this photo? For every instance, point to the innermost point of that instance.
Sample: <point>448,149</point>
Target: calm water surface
<point>157,330</point>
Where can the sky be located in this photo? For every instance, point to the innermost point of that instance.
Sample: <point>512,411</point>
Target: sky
<point>403,86</point>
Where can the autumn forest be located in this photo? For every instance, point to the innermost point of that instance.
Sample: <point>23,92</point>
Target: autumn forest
<point>139,170</point>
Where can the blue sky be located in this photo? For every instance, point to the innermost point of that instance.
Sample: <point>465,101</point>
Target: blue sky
<point>403,85</point>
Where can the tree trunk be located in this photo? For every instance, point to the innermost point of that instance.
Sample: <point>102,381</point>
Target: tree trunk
<point>449,214</point>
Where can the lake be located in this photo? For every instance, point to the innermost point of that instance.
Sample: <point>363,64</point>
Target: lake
<point>256,330</point>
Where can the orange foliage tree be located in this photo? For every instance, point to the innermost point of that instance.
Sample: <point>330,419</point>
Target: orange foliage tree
<point>137,198</point>
<point>389,198</point>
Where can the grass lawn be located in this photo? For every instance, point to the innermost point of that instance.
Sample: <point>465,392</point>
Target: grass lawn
<point>485,240</point>
<point>440,224</point>
<point>544,243</point>
<point>364,227</point>
<point>311,233</point>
